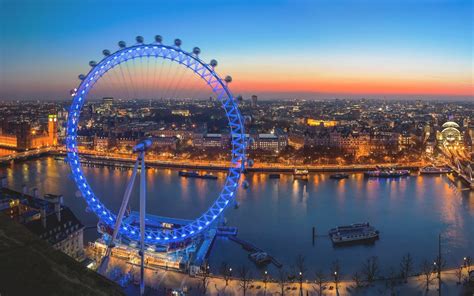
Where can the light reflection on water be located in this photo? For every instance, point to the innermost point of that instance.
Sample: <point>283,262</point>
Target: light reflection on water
<point>278,214</point>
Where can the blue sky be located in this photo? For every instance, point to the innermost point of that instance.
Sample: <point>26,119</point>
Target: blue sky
<point>357,47</point>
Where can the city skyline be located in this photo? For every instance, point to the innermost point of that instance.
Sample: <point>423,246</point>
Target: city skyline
<point>280,50</point>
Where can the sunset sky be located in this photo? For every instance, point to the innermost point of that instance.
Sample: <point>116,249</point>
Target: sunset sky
<point>275,49</point>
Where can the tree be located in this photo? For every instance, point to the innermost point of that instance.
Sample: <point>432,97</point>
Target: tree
<point>205,278</point>
<point>226,272</point>
<point>320,278</point>
<point>357,279</point>
<point>406,266</point>
<point>426,270</point>
<point>371,269</point>
<point>282,277</point>
<point>244,274</point>
<point>392,280</point>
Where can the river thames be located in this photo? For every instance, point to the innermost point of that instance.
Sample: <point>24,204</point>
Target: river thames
<point>277,215</point>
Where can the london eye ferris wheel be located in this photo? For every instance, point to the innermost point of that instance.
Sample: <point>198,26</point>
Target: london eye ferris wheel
<point>117,64</point>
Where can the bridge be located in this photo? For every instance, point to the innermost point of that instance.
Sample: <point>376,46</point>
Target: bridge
<point>25,155</point>
<point>461,164</point>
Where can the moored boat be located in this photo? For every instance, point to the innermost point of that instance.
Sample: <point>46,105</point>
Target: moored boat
<point>302,174</point>
<point>193,174</point>
<point>433,170</point>
<point>359,232</point>
<point>387,173</point>
<point>339,176</point>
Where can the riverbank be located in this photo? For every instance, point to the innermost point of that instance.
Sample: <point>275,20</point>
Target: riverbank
<point>160,280</point>
<point>115,160</point>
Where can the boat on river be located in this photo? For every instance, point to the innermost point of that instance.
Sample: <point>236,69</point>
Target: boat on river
<point>339,176</point>
<point>387,173</point>
<point>302,174</point>
<point>192,174</point>
<point>358,232</point>
<point>433,170</point>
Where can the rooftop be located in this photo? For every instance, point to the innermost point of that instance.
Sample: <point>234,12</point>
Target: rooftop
<point>31,266</point>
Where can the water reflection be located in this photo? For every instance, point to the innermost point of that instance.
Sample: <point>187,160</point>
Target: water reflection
<point>278,214</point>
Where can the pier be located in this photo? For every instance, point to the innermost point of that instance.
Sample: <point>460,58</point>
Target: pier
<point>252,248</point>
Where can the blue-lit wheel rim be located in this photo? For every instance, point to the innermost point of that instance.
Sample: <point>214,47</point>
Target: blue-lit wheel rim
<point>238,141</point>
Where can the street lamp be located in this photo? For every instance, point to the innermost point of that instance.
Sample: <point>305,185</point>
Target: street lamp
<point>336,282</point>
<point>265,280</point>
<point>301,282</point>
<point>227,278</point>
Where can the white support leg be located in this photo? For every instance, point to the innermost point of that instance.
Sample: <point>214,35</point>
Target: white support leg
<point>123,207</point>
<point>142,221</point>
<point>105,260</point>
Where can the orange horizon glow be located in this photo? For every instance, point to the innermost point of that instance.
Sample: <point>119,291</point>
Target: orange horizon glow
<point>389,87</point>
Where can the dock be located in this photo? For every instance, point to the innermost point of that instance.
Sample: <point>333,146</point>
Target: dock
<point>252,248</point>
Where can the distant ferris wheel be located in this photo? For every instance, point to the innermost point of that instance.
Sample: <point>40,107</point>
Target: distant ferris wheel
<point>206,71</point>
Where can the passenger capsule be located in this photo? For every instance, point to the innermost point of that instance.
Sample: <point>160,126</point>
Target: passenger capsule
<point>81,76</point>
<point>122,44</point>
<point>92,63</point>
<point>106,52</point>
<point>139,39</point>
<point>228,79</point>
<point>177,42</point>
<point>196,50</point>
<point>158,38</point>
<point>213,63</point>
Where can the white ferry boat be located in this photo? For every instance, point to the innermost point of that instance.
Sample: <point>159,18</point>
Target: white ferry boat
<point>353,233</point>
<point>302,174</point>
<point>433,170</point>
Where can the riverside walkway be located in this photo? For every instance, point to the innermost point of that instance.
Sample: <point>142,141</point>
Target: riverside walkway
<point>159,280</point>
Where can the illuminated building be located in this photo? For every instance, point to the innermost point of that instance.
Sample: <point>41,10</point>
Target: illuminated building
<point>274,142</point>
<point>449,136</point>
<point>52,129</point>
<point>169,142</point>
<point>320,122</point>
<point>108,102</point>
<point>27,138</point>
<point>254,101</point>
<point>210,140</point>
<point>181,112</point>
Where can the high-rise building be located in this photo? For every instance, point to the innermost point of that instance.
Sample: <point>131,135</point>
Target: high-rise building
<point>254,101</point>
